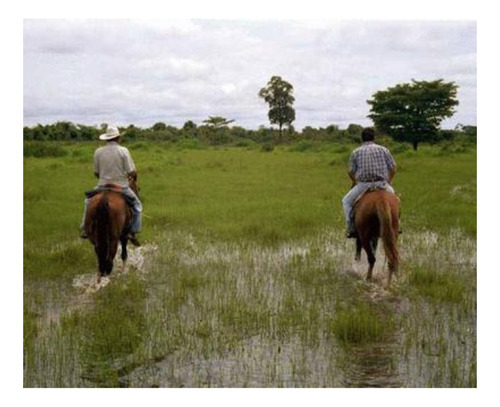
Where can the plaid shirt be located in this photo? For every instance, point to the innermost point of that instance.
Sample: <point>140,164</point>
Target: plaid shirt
<point>371,162</point>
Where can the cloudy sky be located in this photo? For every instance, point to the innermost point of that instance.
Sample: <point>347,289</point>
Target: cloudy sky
<point>140,72</point>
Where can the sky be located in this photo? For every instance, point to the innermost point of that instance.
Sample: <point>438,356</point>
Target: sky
<point>143,71</point>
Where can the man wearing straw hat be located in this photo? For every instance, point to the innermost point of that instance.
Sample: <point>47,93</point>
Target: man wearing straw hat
<point>113,164</point>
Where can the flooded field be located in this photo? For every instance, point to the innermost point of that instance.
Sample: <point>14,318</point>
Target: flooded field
<point>245,279</point>
<point>190,312</point>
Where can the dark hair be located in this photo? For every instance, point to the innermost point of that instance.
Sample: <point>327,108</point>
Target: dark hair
<point>368,134</point>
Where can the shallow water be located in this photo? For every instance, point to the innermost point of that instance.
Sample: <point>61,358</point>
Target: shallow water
<point>230,315</point>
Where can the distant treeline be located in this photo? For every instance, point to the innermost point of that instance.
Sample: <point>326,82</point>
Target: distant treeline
<point>213,135</point>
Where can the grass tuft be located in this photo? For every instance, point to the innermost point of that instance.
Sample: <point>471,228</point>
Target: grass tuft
<point>361,324</point>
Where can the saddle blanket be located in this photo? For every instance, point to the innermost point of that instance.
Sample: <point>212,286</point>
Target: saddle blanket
<point>110,187</point>
<point>370,189</point>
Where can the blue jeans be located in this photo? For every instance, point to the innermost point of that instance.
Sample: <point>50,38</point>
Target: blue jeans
<point>356,191</point>
<point>135,204</point>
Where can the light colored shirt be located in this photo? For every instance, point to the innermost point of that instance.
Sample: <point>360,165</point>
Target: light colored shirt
<point>371,162</point>
<point>113,163</point>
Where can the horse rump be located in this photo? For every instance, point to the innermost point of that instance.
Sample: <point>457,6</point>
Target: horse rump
<point>377,216</point>
<point>100,234</point>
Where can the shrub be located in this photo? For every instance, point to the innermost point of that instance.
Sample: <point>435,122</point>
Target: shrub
<point>189,144</point>
<point>43,149</point>
<point>302,145</point>
<point>450,147</point>
<point>267,147</point>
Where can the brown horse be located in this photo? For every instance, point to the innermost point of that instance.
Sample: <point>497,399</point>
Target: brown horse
<point>376,214</point>
<point>107,222</point>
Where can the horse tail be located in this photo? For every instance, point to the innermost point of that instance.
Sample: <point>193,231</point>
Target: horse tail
<point>388,233</point>
<point>101,227</point>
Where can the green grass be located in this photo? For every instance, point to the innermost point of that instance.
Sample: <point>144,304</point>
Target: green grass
<point>246,276</point>
<point>445,287</point>
<point>246,194</point>
<point>361,323</point>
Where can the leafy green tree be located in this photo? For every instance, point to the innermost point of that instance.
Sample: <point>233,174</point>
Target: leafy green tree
<point>160,126</point>
<point>189,130</point>
<point>412,112</point>
<point>87,132</point>
<point>28,133</point>
<point>132,132</point>
<point>470,132</point>
<point>354,129</point>
<point>278,94</point>
<point>189,126</point>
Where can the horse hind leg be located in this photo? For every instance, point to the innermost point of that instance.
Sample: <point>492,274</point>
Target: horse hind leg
<point>111,255</point>
<point>124,255</point>
<point>105,268</point>
<point>371,264</point>
<point>393,269</point>
<point>371,260</point>
<point>357,256</point>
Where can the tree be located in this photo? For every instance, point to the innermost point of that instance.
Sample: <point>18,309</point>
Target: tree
<point>215,131</point>
<point>279,95</point>
<point>354,129</point>
<point>412,112</point>
<point>132,132</point>
<point>189,126</point>
<point>217,121</point>
<point>160,126</point>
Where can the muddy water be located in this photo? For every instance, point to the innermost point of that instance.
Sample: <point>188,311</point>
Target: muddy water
<point>137,261</point>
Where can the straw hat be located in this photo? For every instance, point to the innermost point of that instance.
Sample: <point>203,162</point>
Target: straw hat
<point>111,133</point>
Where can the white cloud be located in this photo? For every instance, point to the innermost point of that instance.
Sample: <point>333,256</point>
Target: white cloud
<point>178,70</point>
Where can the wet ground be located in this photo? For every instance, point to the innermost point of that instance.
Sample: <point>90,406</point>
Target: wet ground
<point>229,315</point>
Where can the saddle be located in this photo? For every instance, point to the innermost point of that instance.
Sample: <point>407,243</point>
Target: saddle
<point>109,187</point>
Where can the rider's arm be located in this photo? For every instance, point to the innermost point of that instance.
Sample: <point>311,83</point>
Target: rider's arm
<point>392,172</point>
<point>352,176</point>
<point>353,165</point>
<point>391,166</point>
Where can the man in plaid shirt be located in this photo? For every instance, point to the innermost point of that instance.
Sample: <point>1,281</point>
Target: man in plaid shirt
<point>370,165</point>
